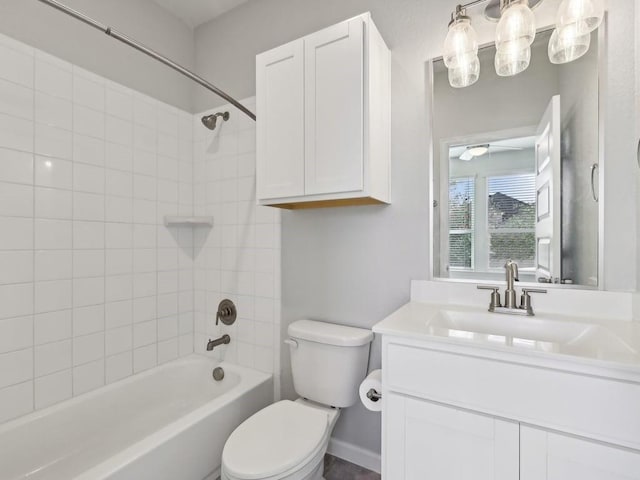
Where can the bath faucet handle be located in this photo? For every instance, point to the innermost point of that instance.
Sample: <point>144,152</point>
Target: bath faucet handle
<point>495,296</point>
<point>525,298</point>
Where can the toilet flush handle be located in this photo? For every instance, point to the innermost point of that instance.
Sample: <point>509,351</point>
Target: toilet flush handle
<point>291,342</point>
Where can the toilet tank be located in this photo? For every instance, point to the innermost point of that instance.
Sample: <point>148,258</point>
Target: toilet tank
<point>328,361</point>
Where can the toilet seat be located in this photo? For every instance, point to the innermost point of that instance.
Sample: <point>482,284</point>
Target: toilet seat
<point>276,442</point>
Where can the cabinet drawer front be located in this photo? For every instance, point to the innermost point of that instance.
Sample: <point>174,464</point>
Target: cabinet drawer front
<point>592,407</point>
<point>334,69</point>
<point>429,441</point>
<point>280,122</point>
<point>551,456</point>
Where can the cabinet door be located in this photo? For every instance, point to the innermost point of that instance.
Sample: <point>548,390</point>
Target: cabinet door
<point>426,441</point>
<point>280,121</point>
<point>551,456</point>
<point>334,108</point>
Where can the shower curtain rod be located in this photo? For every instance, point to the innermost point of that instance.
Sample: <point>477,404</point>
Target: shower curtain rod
<point>147,51</point>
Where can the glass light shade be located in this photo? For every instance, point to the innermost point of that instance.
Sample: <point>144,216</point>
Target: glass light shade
<point>585,15</point>
<point>461,44</point>
<point>567,45</point>
<point>516,28</point>
<point>465,74</point>
<point>512,62</point>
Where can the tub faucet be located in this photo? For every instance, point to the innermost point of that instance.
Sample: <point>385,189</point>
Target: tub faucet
<point>223,340</point>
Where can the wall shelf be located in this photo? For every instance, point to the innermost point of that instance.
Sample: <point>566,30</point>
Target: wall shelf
<point>189,221</point>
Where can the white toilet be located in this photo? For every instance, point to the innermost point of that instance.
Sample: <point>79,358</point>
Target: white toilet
<point>288,440</point>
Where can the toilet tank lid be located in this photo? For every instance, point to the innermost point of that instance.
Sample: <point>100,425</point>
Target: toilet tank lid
<point>330,333</point>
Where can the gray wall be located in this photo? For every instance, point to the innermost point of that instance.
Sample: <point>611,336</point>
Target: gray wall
<point>354,265</point>
<point>47,29</point>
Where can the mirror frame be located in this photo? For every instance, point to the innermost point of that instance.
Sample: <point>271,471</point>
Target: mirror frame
<point>435,216</point>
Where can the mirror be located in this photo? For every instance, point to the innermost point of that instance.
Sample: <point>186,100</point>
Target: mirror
<point>515,171</point>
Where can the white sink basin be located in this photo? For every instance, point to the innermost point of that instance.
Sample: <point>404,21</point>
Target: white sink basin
<point>536,333</point>
<point>511,326</point>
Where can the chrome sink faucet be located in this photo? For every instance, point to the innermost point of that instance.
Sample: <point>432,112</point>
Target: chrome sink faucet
<point>511,269</point>
<point>510,303</point>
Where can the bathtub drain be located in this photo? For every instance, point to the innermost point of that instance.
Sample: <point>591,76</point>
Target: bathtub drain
<point>218,374</point>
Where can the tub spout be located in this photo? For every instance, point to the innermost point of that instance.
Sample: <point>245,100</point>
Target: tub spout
<point>223,340</point>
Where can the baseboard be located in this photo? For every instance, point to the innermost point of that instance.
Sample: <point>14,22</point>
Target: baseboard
<point>351,453</point>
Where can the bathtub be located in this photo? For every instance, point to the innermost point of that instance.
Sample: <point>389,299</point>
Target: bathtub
<point>169,423</point>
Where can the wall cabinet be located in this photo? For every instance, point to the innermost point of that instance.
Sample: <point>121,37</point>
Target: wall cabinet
<point>323,127</point>
<point>454,413</point>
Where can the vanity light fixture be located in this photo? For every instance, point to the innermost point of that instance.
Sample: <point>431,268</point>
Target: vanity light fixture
<point>461,51</point>
<point>516,31</point>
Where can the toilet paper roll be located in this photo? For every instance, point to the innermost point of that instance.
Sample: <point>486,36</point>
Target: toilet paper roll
<point>372,382</point>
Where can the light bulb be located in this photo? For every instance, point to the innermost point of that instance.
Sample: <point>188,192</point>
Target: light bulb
<point>567,45</point>
<point>517,27</point>
<point>585,15</point>
<point>461,44</point>
<point>513,61</point>
<point>465,74</point>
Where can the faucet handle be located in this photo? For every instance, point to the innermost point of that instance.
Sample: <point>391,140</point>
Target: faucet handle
<point>525,299</point>
<point>495,296</point>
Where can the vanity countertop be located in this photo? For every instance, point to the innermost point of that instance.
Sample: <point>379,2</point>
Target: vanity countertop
<point>591,346</point>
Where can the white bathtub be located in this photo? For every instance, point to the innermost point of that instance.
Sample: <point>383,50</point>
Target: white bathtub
<point>169,423</point>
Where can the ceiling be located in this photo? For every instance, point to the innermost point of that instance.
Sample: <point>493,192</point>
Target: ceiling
<point>197,12</point>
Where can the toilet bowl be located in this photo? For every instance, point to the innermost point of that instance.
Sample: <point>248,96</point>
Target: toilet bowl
<point>288,439</point>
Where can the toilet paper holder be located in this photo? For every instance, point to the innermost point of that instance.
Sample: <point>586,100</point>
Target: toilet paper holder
<point>373,395</point>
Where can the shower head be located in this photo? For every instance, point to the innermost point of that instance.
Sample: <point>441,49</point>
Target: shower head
<point>210,121</point>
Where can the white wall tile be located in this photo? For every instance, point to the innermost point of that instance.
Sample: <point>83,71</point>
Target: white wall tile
<point>53,172</point>
<point>88,263</point>
<point>89,122</point>
<point>88,150</point>
<point>88,235</point>
<point>52,326</point>
<point>16,133</point>
<point>88,348</point>
<point>16,200</point>
<point>16,266</point>
<point>119,102</point>
<point>53,141</point>
<point>118,314</point>
<point>15,401</point>
<point>53,264</point>
<point>52,234</point>
<point>144,358</point>
<point>16,334</point>
<point>52,296</point>
<point>88,93</point>
<point>88,178</point>
<point>119,366</point>
<point>16,66</point>
<point>17,167</point>
<point>88,377</point>
<point>88,291</point>
<point>118,340</point>
<point>53,111</point>
<point>119,157</point>
<point>16,300</point>
<point>53,389</point>
<point>16,100</point>
<point>16,367</point>
<point>52,357</point>
<point>53,203</point>
<point>87,320</point>
<point>53,79</point>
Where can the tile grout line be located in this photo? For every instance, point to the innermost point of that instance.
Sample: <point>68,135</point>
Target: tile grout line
<point>33,235</point>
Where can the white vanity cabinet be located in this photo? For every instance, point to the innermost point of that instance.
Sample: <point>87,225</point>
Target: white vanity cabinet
<point>456,412</point>
<point>323,119</point>
<point>426,440</point>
